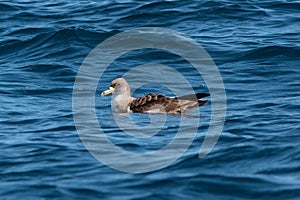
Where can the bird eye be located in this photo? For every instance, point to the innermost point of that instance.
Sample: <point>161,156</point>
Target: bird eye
<point>112,85</point>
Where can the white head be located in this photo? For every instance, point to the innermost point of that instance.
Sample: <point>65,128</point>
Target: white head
<point>118,86</point>
<point>121,95</point>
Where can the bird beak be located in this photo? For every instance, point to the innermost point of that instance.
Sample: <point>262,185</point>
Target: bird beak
<point>109,91</point>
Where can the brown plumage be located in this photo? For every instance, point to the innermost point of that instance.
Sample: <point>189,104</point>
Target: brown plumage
<point>154,103</point>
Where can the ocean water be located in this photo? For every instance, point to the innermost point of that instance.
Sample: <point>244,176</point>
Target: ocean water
<point>256,46</point>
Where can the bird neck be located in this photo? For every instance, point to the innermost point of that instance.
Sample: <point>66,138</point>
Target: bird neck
<point>120,102</point>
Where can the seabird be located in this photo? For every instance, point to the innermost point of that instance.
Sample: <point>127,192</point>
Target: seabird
<point>122,102</point>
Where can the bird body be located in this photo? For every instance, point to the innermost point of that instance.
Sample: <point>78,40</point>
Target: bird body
<point>151,103</point>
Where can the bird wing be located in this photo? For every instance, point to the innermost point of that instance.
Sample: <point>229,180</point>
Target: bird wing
<point>155,103</point>
<point>159,103</point>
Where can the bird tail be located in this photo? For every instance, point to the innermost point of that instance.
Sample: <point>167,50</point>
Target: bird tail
<point>202,102</point>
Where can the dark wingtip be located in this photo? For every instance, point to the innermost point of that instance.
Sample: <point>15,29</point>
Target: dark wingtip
<point>193,96</point>
<point>202,95</point>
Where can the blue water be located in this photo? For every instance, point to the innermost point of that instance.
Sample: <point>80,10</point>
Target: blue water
<point>256,46</point>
